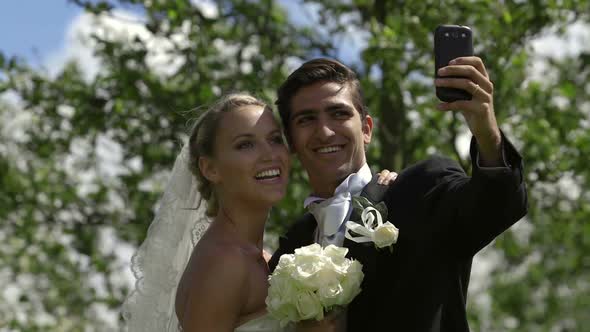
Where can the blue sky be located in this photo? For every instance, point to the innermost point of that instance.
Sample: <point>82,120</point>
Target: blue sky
<point>36,29</point>
<point>33,29</point>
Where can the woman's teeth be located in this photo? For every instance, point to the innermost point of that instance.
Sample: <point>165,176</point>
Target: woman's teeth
<point>270,173</point>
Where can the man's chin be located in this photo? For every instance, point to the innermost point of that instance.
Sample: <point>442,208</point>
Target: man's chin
<point>334,174</point>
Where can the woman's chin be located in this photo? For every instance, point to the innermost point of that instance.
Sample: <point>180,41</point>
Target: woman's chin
<point>272,198</point>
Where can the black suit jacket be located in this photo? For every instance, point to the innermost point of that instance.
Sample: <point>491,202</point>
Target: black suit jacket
<point>444,218</point>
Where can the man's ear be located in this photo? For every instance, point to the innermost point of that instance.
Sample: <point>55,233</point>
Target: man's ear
<point>367,129</point>
<point>209,169</point>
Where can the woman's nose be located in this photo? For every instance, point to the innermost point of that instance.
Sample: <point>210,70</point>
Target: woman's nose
<point>268,153</point>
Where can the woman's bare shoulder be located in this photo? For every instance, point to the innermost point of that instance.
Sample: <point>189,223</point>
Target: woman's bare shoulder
<point>218,257</point>
<point>214,268</point>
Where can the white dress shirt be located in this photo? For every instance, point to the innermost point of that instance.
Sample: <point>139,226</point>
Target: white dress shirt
<point>332,213</point>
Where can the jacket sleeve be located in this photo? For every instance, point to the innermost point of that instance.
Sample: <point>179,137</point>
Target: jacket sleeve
<point>472,211</point>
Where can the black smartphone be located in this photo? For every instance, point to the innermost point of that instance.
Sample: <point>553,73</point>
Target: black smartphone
<point>450,42</point>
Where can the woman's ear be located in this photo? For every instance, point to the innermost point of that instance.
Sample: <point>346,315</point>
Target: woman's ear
<point>209,169</point>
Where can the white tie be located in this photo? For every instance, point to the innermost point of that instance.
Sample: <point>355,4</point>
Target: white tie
<point>330,213</point>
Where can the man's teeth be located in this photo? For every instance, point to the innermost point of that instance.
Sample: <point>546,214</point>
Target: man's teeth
<point>329,149</point>
<point>269,173</point>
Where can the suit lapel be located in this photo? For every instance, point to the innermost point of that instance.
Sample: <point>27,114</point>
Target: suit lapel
<point>307,229</point>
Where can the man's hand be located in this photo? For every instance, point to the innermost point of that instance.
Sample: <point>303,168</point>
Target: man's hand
<point>479,111</point>
<point>386,177</point>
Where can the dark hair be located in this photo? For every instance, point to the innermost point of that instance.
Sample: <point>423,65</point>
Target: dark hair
<point>313,71</point>
<point>202,140</point>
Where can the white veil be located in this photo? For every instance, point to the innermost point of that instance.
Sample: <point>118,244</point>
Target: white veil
<point>158,264</point>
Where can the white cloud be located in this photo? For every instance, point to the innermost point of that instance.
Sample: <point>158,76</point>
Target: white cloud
<point>575,40</point>
<point>300,14</point>
<point>119,26</point>
<point>349,43</point>
<point>76,48</point>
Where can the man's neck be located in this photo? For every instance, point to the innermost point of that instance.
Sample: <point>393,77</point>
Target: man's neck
<point>327,190</point>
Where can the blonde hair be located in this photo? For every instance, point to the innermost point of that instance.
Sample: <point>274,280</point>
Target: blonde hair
<point>202,140</point>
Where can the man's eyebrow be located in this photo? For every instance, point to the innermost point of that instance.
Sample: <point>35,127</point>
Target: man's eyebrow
<point>339,106</point>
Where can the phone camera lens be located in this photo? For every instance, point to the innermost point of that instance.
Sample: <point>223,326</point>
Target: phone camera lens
<point>446,34</point>
<point>463,35</point>
<point>455,34</point>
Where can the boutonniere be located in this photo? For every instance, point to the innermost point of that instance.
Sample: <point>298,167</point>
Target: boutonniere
<point>371,227</point>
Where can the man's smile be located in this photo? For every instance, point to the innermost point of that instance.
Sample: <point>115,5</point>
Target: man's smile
<point>329,149</point>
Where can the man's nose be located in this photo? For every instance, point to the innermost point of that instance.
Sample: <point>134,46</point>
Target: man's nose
<point>324,129</point>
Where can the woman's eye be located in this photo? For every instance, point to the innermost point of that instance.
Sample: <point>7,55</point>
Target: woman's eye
<point>245,145</point>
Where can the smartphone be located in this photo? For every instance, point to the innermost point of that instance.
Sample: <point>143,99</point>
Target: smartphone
<point>450,42</point>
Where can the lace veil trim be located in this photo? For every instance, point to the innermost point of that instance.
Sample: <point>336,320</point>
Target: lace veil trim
<point>179,223</point>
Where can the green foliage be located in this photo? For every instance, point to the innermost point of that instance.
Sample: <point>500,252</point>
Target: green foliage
<point>58,199</point>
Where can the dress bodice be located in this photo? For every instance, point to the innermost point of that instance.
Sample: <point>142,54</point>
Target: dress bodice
<point>264,323</point>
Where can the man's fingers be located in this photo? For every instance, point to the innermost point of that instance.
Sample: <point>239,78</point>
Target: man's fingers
<point>456,105</point>
<point>469,72</point>
<point>464,106</point>
<point>477,91</point>
<point>386,177</point>
<point>471,61</point>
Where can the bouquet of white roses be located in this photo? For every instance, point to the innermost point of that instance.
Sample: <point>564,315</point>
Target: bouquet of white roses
<point>311,282</point>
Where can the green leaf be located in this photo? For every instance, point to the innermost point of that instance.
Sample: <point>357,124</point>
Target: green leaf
<point>507,17</point>
<point>568,90</point>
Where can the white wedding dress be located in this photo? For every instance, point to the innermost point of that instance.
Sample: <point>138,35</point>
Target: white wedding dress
<point>158,264</point>
<point>264,323</point>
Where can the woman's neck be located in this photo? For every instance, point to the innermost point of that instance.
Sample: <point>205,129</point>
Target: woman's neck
<point>246,222</point>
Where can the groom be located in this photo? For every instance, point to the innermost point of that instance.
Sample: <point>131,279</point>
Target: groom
<point>444,217</point>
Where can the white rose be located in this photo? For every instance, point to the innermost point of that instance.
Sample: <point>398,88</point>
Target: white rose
<point>307,263</point>
<point>287,289</point>
<point>312,250</point>
<point>351,284</point>
<point>385,235</point>
<point>282,295</point>
<point>309,306</point>
<point>329,274</point>
<point>331,295</point>
<point>286,261</point>
<point>336,254</point>
<point>307,273</point>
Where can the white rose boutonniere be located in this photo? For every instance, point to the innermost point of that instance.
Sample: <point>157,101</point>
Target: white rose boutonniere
<point>371,227</point>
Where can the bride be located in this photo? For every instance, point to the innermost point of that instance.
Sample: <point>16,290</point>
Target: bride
<point>204,268</point>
